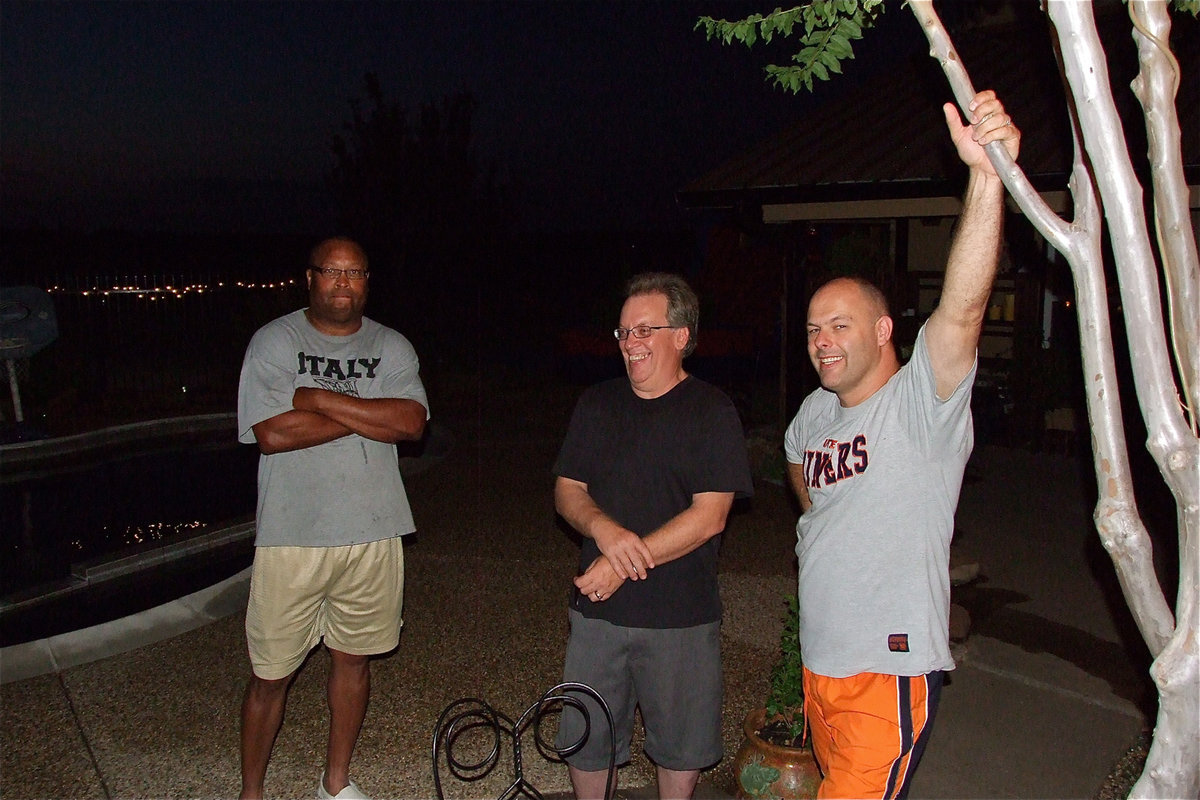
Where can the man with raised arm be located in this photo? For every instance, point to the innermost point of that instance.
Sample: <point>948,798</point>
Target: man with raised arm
<point>876,457</point>
<point>326,393</point>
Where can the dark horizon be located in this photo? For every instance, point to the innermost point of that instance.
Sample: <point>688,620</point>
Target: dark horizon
<point>206,117</point>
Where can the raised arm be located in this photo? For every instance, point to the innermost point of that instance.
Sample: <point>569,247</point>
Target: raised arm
<point>952,333</point>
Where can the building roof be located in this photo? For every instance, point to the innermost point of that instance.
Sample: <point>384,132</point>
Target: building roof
<point>884,138</point>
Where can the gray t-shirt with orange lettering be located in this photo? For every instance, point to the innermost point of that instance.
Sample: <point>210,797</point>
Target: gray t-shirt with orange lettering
<point>347,491</point>
<point>874,548</point>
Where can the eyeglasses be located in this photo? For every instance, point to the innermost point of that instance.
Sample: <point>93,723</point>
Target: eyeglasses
<point>639,331</point>
<point>333,273</point>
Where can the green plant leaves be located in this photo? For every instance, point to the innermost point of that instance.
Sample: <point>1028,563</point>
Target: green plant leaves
<point>786,695</point>
<point>829,27</point>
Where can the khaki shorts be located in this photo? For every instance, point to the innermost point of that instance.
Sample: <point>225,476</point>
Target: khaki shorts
<point>351,596</point>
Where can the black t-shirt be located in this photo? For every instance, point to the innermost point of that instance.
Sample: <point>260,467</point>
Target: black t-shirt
<point>642,461</point>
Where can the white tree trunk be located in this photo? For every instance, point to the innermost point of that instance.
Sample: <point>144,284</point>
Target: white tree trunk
<point>1173,764</point>
<point>1155,87</point>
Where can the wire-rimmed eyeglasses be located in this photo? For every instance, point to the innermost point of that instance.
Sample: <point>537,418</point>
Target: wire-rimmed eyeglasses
<point>639,331</point>
<point>333,273</point>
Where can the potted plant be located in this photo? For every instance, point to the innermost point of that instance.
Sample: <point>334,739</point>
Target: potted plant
<point>775,760</point>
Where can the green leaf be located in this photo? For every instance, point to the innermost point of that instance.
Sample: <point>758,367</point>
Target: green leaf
<point>810,20</point>
<point>787,20</point>
<point>829,27</point>
<point>746,32</point>
<point>839,45</point>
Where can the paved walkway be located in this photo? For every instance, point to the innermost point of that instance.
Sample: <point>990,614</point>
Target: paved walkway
<point>1045,699</point>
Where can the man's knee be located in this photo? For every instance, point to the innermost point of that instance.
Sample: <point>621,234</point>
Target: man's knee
<point>349,661</point>
<point>267,691</point>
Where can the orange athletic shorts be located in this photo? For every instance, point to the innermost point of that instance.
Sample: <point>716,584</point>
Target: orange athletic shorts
<point>869,730</point>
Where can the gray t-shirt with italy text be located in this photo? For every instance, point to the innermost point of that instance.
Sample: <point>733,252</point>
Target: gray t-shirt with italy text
<point>347,491</point>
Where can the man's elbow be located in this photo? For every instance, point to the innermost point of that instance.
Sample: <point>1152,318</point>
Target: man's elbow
<point>411,432</point>
<point>268,439</point>
<point>409,426</point>
<point>269,445</point>
<point>560,501</point>
<point>715,525</point>
<point>567,496</point>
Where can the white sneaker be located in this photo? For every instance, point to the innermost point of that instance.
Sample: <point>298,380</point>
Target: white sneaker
<point>349,792</point>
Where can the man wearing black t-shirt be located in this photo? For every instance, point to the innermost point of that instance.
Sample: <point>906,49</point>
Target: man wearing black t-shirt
<point>647,474</point>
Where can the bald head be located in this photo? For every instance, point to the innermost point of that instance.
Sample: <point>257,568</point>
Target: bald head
<point>869,294</point>
<point>337,286</point>
<point>850,338</point>
<point>321,252</point>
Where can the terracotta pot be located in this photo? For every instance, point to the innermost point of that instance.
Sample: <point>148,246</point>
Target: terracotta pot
<point>763,770</point>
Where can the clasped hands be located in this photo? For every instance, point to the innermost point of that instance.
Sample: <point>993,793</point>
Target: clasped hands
<point>623,556</point>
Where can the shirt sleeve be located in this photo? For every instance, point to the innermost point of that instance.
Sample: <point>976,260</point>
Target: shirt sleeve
<point>267,381</point>
<point>793,439</point>
<point>935,424</point>
<point>572,461</point>
<point>725,464</point>
<point>403,379</point>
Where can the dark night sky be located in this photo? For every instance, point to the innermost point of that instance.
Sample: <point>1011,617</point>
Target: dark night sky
<point>217,115</point>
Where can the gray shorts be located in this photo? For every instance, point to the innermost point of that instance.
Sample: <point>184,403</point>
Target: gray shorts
<point>672,674</point>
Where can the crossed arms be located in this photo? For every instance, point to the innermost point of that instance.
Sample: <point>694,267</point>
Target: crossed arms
<point>319,415</point>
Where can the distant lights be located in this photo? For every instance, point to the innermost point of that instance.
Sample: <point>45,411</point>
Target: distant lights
<point>155,531</point>
<point>156,292</point>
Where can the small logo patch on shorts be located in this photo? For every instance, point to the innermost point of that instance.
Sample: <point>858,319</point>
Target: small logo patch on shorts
<point>898,642</point>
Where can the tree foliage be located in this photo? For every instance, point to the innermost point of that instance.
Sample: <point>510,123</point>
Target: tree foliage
<point>829,27</point>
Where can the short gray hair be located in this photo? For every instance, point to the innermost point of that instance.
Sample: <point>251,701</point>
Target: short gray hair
<point>683,307</point>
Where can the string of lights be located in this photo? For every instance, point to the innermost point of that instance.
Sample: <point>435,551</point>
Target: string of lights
<point>162,292</point>
<point>148,532</point>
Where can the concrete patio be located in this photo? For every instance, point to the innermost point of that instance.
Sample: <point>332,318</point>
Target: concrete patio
<point>1049,692</point>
